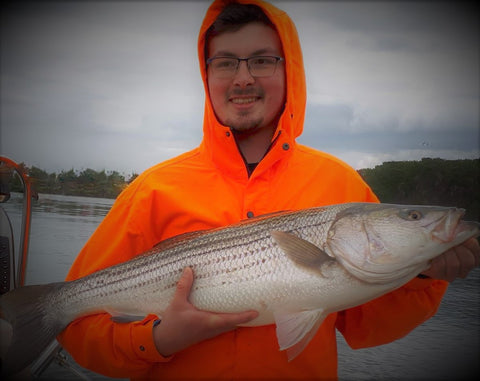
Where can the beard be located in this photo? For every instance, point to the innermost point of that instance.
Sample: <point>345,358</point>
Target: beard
<point>244,124</point>
<point>244,121</point>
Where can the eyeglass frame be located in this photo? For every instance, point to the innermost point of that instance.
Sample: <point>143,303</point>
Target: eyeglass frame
<point>277,58</point>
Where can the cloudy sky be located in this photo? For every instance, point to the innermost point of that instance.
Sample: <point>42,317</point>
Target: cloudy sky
<point>116,86</point>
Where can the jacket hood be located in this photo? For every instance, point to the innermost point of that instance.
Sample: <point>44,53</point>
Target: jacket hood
<point>217,138</point>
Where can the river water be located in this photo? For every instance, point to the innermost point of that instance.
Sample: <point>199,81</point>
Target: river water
<point>447,347</point>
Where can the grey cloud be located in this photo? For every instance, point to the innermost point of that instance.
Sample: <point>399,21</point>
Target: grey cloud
<point>331,127</point>
<point>331,117</point>
<point>84,77</point>
<point>377,17</point>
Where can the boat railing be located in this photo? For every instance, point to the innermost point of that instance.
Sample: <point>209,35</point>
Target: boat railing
<point>10,277</point>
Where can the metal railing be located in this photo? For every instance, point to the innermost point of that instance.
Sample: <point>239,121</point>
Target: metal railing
<point>13,279</point>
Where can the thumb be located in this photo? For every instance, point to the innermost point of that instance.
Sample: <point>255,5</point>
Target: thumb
<point>184,285</point>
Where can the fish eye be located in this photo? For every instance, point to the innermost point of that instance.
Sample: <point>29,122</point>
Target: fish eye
<point>414,215</point>
<point>411,215</point>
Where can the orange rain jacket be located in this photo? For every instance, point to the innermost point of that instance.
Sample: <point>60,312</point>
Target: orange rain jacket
<point>208,187</point>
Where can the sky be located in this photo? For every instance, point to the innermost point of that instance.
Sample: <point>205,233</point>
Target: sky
<point>115,85</point>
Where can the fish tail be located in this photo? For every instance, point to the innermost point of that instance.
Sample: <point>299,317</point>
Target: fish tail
<point>34,325</point>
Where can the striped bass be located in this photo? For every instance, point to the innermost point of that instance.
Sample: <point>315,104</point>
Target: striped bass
<point>294,268</point>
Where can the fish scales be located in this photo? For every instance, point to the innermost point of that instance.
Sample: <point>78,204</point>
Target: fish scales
<point>220,258</point>
<point>294,268</point>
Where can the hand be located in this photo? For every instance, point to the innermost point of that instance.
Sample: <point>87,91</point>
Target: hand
<point>183,324</point>
<point>456,262</point>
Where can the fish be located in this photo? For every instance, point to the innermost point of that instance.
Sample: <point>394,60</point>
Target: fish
<point>293,267</point>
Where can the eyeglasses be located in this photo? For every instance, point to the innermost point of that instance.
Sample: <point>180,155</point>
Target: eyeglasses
<point>258,66</point>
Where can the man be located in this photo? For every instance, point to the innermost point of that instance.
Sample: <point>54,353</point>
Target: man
<point>248,164</point>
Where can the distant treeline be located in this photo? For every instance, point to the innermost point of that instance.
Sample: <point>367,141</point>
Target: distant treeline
<point>424,182</point>
<point>428,182</point>
<point>88,182</point>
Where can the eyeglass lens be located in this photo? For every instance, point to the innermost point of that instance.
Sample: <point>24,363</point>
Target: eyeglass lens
<point>259,66</point>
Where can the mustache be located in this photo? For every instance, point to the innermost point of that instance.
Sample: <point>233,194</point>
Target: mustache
<point>246,92</point>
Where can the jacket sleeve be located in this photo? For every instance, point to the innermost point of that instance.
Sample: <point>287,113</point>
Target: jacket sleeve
<point>392,315</point>
<point>112,349</point>
<point>95,342</point>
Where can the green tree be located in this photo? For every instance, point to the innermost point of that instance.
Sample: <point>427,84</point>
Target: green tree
<point>428,182</point>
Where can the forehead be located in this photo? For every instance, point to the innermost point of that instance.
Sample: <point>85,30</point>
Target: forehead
<point>251,39</point>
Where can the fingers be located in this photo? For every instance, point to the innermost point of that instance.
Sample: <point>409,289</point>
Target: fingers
<point>183,324</point>
<point>456,262</point>
<point>182,293</point>
<point>453,266</point>
<point>242,317</point>
<point>465,259</point>
<point>474,246</point>
<point>184,285</point>
<point>228,321</point>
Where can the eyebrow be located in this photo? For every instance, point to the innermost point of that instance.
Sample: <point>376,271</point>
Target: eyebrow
<point>226,53</point>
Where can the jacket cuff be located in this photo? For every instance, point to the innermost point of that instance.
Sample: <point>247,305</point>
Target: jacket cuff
<point>143,344</point>
<point>420,283</point>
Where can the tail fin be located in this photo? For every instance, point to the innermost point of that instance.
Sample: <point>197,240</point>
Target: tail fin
<point>34,325</point>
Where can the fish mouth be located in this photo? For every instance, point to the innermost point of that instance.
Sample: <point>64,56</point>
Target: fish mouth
<point>467,228</point>
<point>448,227</point>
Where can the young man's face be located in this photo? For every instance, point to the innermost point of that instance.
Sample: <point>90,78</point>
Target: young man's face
<point>244,102</point>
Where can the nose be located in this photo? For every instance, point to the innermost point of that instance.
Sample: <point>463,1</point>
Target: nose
<point>242,76</point>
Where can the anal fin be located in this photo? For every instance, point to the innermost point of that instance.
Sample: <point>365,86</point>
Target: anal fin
<point>296,329</point>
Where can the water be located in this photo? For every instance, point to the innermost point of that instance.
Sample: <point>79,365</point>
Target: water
<point>447,347</point>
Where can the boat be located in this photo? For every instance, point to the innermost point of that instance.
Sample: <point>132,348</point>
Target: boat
<point>13,259</point>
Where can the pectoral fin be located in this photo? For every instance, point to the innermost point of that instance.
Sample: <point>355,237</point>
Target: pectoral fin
<point>300,251</point>
<point>296,329</point>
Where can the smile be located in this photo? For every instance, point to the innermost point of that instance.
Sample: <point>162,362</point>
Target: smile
<point>243,100</point>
